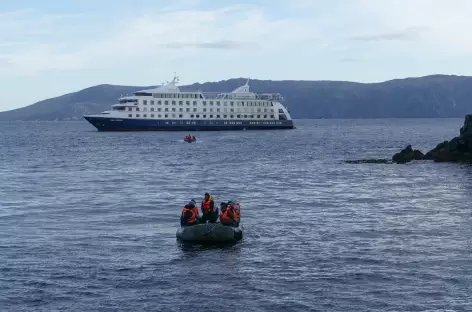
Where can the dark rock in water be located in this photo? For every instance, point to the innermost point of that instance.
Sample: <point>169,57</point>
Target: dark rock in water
<point>210,233</point>
<point>459,149</point>
<point>466,130</point>
<point>406,155</point>
<point>369,161</point>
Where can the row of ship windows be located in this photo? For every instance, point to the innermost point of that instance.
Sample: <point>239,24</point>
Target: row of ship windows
<point>196,95</point>
<point>203,116</point>
<point>225,122</point>
<point>259,110</point>
<point>231,103</point>
<point>265,123</point>
<point>171,95</point>
<point>228,122</point>
<point>179,95</point>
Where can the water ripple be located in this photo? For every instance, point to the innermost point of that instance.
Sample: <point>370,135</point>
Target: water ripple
<point>88,220</point>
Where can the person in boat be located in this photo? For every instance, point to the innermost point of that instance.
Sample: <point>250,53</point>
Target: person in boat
<point>190,215</point>
<point>209,212</point>
<point>227,214</point>
<point>237,212</point>
<point>189,137</point>
<point>223,206</point>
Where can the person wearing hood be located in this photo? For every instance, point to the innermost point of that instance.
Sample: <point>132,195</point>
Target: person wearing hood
<point>190,214</point>
<point>210,213</point>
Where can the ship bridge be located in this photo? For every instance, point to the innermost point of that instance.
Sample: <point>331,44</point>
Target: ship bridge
<point>169,87</point>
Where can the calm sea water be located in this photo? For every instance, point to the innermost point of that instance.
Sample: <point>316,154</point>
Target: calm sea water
<point>88,219</point>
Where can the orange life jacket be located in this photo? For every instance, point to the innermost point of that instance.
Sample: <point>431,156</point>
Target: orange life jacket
<point>237,212</point>
<point>206,205</point>
<point>193,217</point>
<point>227,215</point>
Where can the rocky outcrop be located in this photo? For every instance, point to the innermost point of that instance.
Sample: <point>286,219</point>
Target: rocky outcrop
<point>459,149</point>
<point>466,130</point>
<point>406,155</point>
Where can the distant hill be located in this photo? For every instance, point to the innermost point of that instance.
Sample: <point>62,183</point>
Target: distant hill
<point>424,97</point>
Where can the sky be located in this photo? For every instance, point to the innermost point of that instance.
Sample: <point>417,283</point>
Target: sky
<point>49,48</point>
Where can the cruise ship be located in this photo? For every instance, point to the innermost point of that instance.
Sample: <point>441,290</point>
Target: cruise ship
<point>166,108</point>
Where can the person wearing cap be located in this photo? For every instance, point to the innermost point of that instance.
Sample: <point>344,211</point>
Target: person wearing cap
<point>209,212</point>
<point>190,214</point>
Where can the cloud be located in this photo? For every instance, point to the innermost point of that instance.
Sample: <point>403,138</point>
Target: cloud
<point>411,33</point>
<point>436,25</point>
<point>411,28</point>
<point>221,44</point>
<point>29,22</point>
<point>350,60</point>
<point>180,27</point>
<point>33,42</point>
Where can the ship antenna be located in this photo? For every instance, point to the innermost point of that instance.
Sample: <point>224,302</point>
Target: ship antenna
<point>176,79</point>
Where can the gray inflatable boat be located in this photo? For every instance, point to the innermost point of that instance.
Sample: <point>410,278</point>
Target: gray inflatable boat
<point>210,233</point>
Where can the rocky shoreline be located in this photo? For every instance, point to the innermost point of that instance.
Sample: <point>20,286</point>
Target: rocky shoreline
<point>457,150</point>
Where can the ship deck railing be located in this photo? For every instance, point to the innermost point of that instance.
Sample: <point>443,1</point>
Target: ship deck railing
<point>242,96</point>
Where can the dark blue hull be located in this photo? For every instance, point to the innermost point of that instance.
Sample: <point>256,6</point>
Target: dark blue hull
<point>115,124</point>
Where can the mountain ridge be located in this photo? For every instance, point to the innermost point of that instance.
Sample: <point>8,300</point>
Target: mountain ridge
<point>432,96</point>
